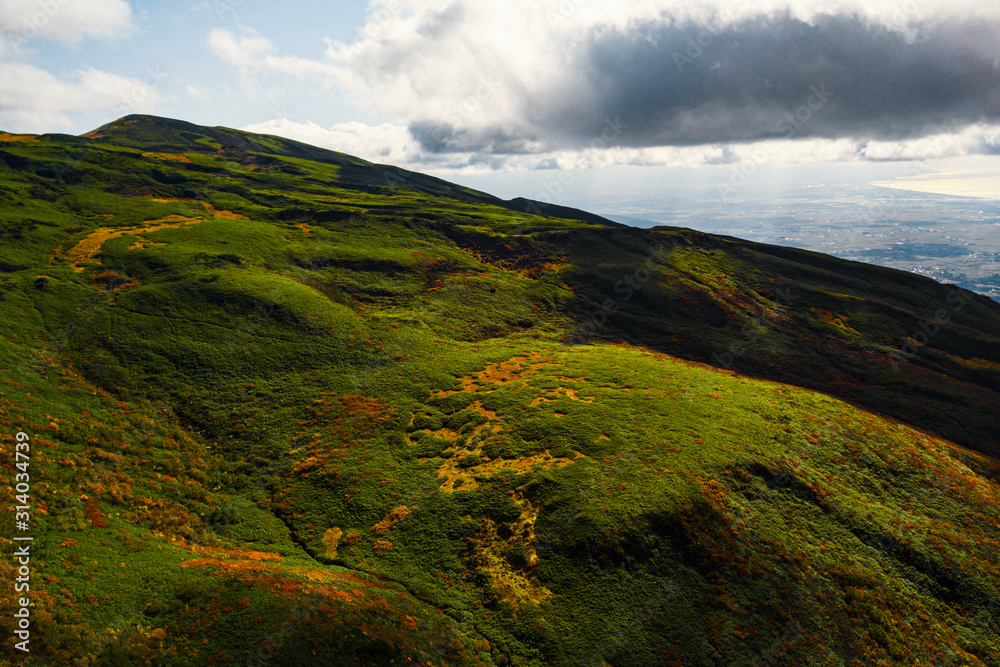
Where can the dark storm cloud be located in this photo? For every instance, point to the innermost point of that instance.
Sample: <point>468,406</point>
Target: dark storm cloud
<point>765,77</point>
<point>442,137</point>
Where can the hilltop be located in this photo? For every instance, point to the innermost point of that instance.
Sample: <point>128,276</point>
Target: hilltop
<point>284,403</point>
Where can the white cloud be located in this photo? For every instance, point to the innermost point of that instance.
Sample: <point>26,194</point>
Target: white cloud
<point>393,144</point>
<point>244,51</point>
<point>387,143</point>
<point>66,21</point>
<point>972,140</point>
<point>251,51</point>
<point>33,100</point>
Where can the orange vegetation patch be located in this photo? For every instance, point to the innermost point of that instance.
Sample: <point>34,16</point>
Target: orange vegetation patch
<point>339,586</point>
<point>27,138</point>
<point>505,372</point>
<point>92,511</point>
<point>306,228</point>
<point>220,553</point>
<point>113,281</point>
<point>397,515</point>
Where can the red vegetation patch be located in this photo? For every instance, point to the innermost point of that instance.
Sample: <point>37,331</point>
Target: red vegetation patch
<point>113,281</point>
<point>92,511</point>
<point>435,270</point>
<point>349,417</point>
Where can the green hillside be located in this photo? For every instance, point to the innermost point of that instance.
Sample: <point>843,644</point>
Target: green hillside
<point>286,407</point>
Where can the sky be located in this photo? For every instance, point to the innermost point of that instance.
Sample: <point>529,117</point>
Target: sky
<point>522,92</point>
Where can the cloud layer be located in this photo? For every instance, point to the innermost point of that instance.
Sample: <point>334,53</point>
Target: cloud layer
<point>768,77</point>
<point>524,78</point>
<point>675,79</point>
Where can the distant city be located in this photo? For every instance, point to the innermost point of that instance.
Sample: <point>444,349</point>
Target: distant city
<point>951,239</point>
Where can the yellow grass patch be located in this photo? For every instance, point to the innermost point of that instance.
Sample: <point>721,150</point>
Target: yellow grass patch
<point>515,586</point>
<point>561,392</point>
<point>212,211</point>
<point>139,245</point>
<point>88,247</point>
<point>169,157</point>
<point>223,214</point>
<point>515,369</point>
<point>331,539</point>
<point>974,362</point>
<point>464,479</point>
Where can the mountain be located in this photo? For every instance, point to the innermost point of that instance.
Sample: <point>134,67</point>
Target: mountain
<point>284,406</point>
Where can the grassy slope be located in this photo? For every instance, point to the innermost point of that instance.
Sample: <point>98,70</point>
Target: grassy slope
<point>338,409</point>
